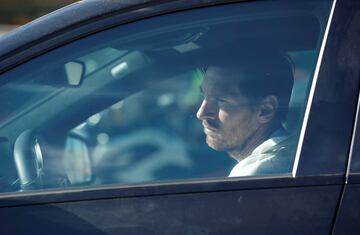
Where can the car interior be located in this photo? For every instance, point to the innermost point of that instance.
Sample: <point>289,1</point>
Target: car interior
<point>120,106</point>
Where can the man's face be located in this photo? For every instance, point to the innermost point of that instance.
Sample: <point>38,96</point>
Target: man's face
<point>227,116</point>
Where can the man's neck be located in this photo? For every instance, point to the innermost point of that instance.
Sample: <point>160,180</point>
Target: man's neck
<point>256,139</point>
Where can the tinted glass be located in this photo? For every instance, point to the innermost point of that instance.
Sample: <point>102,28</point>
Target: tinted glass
<point>330,127</point>
<point>212,92</point>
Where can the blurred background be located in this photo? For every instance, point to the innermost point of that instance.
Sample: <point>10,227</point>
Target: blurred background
<point>14,13</point>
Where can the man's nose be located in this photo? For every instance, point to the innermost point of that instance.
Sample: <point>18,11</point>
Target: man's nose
<point>206,111</point>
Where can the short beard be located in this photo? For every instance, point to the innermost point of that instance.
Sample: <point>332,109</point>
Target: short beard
<point>220,145</point>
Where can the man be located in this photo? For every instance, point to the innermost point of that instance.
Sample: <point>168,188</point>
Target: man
<point>245,102</point>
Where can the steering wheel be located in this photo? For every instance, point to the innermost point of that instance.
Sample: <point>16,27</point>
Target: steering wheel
<point>28,160</point>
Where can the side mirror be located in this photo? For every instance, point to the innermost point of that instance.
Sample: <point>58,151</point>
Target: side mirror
<point>77,161</point>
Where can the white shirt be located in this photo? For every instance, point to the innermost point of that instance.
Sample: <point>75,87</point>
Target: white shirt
<point>273,156</point>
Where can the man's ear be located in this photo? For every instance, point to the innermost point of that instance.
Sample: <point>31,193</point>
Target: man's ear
<point>267,109</point>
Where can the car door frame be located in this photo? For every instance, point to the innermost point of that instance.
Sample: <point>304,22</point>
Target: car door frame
<point>322,184</point>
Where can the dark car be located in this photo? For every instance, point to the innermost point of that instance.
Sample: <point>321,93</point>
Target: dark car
<point>98,126</point>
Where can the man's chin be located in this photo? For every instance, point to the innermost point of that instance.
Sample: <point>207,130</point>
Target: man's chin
<point>216,145</point>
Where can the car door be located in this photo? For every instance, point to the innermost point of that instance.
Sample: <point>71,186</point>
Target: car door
<point>77,185</point>
<point>348,216</point>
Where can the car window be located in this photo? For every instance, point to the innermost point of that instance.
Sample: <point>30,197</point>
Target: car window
<point>212,92</point>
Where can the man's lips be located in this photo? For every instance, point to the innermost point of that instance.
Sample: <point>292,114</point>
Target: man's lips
<point>210,133</point>
<point>208,129</point>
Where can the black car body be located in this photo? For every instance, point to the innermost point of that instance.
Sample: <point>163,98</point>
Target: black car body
<point>319,196</point>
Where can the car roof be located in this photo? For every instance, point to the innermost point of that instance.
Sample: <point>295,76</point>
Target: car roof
<point>61,19</point>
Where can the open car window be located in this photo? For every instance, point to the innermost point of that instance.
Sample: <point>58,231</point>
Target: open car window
<point>122,105</point>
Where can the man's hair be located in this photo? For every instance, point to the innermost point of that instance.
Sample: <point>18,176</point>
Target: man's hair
<point>259,74</point>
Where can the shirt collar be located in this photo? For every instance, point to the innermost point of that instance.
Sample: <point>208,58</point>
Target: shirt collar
<point>277,137</point>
